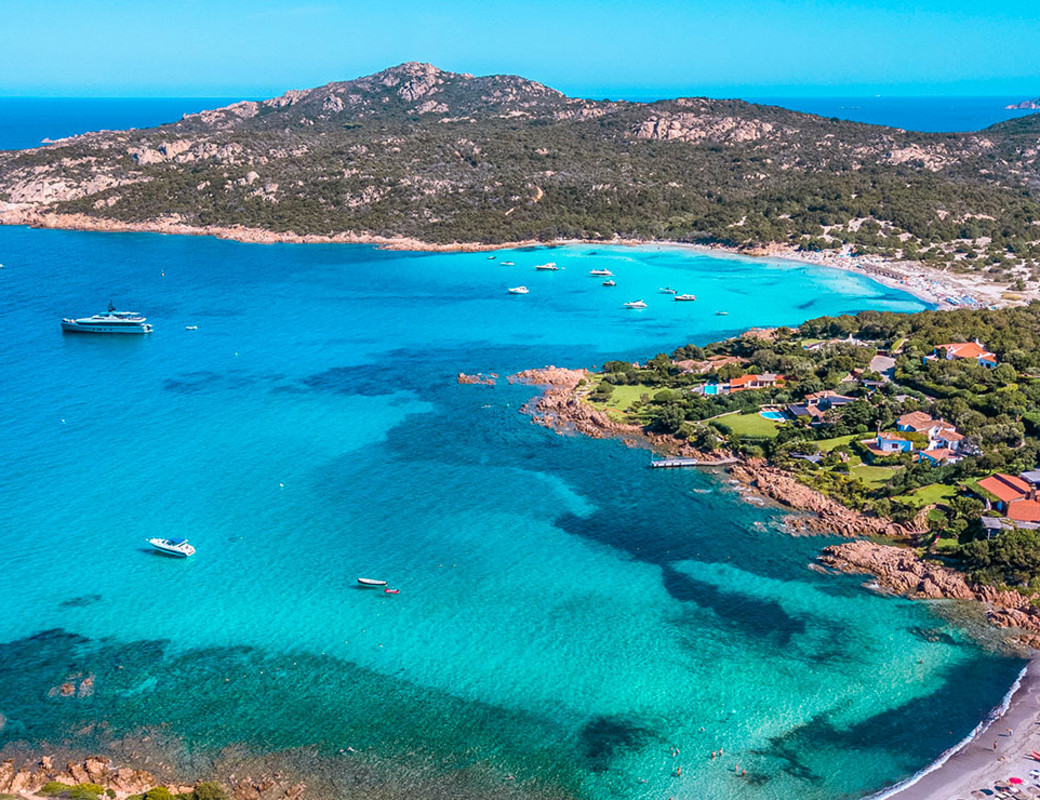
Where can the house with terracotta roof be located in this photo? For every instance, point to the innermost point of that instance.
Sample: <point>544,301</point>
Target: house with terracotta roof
<point>764,381</point>
<point>937,456</point>
<point>963,350</point>
<point>888,443</point>
<point>916,421</point>
<point>1006,489</point>
<point>1024,511</point>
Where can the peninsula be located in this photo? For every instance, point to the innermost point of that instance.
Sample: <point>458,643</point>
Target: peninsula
<point>919,429</point>
<point>1025,105</point>
<point>418,157</point>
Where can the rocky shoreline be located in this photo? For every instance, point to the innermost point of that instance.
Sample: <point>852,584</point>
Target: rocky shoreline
<point>898,569</point>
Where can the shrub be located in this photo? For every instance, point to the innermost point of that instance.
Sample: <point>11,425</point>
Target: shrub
<point>210,790</point>
<point>51,788</point>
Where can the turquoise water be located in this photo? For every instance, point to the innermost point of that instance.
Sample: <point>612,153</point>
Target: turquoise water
<point>565,615</point>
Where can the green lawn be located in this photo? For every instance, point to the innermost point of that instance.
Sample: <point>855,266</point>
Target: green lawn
<point>928,495</point>
<point>826,445</point>
<point>874,476</point>
<point>623,396</point>
<point>749,425</point>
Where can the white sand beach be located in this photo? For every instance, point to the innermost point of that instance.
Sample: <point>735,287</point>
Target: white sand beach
<point>985,764</point>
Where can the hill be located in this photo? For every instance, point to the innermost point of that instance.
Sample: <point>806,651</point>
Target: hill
<point>415,151</point>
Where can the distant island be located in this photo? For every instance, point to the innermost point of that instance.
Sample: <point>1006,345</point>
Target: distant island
<point>418,157</point>
<point>1025,105</point>
<point>920,429</point>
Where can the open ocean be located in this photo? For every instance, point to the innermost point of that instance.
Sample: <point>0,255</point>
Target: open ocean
<point>566,616</point>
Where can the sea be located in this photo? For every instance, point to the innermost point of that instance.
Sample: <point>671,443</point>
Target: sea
<point>569,623</point>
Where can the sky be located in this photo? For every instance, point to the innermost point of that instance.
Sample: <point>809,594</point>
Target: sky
<point>632,49</point>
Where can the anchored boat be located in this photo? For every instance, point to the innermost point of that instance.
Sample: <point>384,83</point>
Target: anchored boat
<point>371,582</point>
<point>173,547</point>
<point>604,273</point>
<point>111,321</point>
<point>685,297</point>
<point>550,266</point>
<point>518,290</point>
<point>636,304</point>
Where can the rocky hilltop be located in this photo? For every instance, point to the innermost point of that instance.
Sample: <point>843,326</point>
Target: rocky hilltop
<point>1025,105</point>
<point>415,151</point>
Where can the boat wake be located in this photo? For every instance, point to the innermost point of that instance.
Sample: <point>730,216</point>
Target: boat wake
<point>995,714</point>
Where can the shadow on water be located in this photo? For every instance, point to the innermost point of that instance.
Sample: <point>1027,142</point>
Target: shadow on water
<point>269,702</point>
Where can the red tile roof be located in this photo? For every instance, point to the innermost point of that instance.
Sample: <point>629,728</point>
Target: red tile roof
<point>893,436</point>
<point>915,420</point>
<point>965,350</point>
<point>940,453</point>
<point>1024,511</point>
<point>1005,487</point>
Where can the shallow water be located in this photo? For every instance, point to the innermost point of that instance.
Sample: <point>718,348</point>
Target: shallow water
<point>565,614</point>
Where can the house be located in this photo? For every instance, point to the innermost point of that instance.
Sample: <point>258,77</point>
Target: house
<point>939,455</point>
<point>887,443</point>
<point>1024,511</point>
<point>947,438</point>
<point>1007,489</point>
<point>915,421</point>
<point>827,399</point>
<point>963,350</point>
<point>1032,477</point>
<point>764,381</point>
<point>992,526</point>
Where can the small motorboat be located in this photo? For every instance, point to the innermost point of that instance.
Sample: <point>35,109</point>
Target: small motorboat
<point>685,298</point>
<point>173,547</point>
<point>507,263</point>
<point>721,313</point>
<point>491,258</point>
<point>547,267</point>
<point>636,304</point>
<point>371,582</point>
<point>609,283</point>
<point>603,273</point>
<point>667,290</point>
<point>191,327</point>
<point>518,290</point>
<point>391,591</point>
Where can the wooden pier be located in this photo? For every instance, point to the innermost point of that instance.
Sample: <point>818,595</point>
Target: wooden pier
<point>676,463</point>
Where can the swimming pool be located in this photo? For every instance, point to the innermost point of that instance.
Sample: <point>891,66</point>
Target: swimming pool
<point>777,415</point>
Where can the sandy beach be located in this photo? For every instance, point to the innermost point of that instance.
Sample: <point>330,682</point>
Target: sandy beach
<point>999,751</point>
<point>933,286</point>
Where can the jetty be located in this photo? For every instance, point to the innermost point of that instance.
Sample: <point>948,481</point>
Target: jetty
<point>676,463</point>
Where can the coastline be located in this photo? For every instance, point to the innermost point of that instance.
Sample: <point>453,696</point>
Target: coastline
<point>927,284</point>
<point>998,748</point>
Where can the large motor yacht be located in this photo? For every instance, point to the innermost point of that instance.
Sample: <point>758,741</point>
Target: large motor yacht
<point>111,321</point>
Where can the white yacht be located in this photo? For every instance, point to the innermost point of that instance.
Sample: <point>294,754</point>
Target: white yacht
<point>686,297</point>
<point>518,290</point>
<point>551,266</point>
<point>636,304</point>
<point>667,290</point>
<point>111,321</point>
<point>603,273</point>
<point>173,547</point>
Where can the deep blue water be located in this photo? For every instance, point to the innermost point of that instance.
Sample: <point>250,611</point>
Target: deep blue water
<point>566,615</point>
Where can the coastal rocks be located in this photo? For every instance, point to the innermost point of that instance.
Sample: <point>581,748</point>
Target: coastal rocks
<point>27,778</point>
<point>829,516</point>
<point>480,378</point>
<point>902,571</point>
<point>76,685</point>
<point>558,377</point>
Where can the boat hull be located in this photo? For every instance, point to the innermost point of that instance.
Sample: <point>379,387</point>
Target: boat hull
<point>71,326</point>
<point>171,551</point>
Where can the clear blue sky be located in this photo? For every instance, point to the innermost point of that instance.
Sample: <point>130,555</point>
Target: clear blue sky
<point>259,48</point>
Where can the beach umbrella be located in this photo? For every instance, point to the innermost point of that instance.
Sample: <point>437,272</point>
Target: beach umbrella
<point>1014,780</point>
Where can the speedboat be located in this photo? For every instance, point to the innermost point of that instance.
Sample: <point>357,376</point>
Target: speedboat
<point>685,297</point>
<point>371,582</point>
<point>721,313</point>
<point>491,258</point>
<point>636,304</point>
<point>605,273</point>
<point>507,263</point>
<point>667,290</point>
<point>173,547</point>
<point>609,283</point>
<point>191,327</point>
<point>550,266</point>
<point>518,290</point>
<point>111,321</point>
